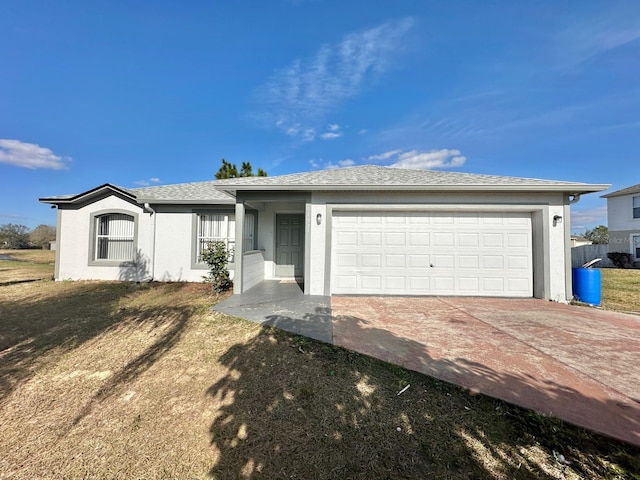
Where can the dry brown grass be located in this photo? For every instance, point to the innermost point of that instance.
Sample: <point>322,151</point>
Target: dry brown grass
<point>40,266</point>
<point>621,289</point>
<point>114,380</point>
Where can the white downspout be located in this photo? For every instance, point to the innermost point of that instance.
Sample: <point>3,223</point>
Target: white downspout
<point>148,208</point>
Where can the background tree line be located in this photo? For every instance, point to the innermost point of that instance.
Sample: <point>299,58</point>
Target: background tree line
<point>16,236</point>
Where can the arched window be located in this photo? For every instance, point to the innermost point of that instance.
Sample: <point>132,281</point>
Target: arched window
<point>114,237</point>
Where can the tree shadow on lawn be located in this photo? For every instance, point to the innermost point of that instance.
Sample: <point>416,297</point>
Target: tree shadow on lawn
<point>37,330</point>
<point>292,407</point>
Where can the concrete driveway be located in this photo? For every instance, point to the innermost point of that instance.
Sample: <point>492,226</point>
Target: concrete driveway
<point>576,363</point>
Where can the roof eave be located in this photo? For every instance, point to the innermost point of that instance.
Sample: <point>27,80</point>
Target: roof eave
<point>155,201</point>
<point>569,188</point>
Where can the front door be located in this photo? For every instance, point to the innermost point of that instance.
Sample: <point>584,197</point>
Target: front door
<point>289,245</point>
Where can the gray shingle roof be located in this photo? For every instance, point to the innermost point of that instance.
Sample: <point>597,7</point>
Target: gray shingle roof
<point>624,191</point>
<point>365,177</point>
<point>182,193</point>
<point>377,177</point>
<point>187,193</point>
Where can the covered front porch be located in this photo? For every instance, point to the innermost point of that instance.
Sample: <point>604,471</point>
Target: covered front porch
<point>276,247</point>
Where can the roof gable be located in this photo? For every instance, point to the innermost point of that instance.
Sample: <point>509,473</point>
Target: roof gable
<point>106,188</point>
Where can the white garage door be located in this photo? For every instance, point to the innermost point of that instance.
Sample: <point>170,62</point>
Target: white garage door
<point>432,253</point>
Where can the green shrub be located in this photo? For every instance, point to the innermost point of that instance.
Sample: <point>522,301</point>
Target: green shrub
<point>216,256</point>
<point>620,259</point>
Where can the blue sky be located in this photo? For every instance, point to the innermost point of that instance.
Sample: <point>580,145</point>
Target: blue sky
<point>150,93</point>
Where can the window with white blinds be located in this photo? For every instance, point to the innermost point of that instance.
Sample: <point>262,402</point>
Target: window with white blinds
<point>216,228</point>
<point>115,237</point>
<point>221,227</point>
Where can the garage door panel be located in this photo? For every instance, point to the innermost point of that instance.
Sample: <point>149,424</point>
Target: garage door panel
<point>371,282</point>
<point>493,261</point>
<point>469,285</point>
<point>443,261</point>
<point>419,239</point>
<point>346,238</point>
<point>493,240</point>
<point>427,253</point>
<point>395,283</point>
<point>395,239</point>
<point>468,240</point>
<point>468,261</point>
<point>419,261</point>
<point>520,262</point>
<point>494,284</point>
<point>394,260</point>
<point>370,239</point>
<point>443,239</point>
<point>517,240</point>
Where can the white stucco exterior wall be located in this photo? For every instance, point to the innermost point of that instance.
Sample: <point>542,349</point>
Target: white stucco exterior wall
<point>171,228</point>
<point>318,255</point>
<point>75,243</point>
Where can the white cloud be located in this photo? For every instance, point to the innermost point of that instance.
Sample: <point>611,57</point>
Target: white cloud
<point>333,127</point>
<point>146,183</point>
<point>597,34</point>
<point>308,135</point>
<point>30,155</point>
<point>308,88</point>
<point>385,155</point>
<point>341,164</point>
<point>443,158</point>
<point>331,135</point>
<point>363,131</point>
<point>581,220</point>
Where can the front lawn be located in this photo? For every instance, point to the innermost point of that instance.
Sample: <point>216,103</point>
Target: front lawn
<point>116,380</point>
<point>621,289</point>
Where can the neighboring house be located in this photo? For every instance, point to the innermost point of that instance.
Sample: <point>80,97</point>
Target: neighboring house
<point>623,217</point>
<point>359,230</point>
<point>578,241</point>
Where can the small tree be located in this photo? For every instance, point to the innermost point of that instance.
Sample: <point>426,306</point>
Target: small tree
<point>42,235</point>
<point>14,236</point>
<point>216,256</point>
<point>229,170</point>
<point>598,235</point>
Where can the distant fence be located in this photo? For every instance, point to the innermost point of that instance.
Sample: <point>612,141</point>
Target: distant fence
<point>584,253</point>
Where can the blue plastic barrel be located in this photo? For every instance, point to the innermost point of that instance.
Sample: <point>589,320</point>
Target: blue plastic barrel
<point>586,285</point>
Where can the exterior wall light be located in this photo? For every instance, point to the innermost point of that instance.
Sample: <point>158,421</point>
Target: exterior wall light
<point>556,220</point>
<point>319,218</point>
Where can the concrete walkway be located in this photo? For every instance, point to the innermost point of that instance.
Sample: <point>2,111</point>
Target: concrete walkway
<point>282,304</point>
<point>576,363</point>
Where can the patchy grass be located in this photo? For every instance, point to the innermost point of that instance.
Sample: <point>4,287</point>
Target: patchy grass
<point>26,266</point>
<point>621,289</point>
<point>115,380</point>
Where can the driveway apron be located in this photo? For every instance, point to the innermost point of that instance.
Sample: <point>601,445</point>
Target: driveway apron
<point>575,363</point>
